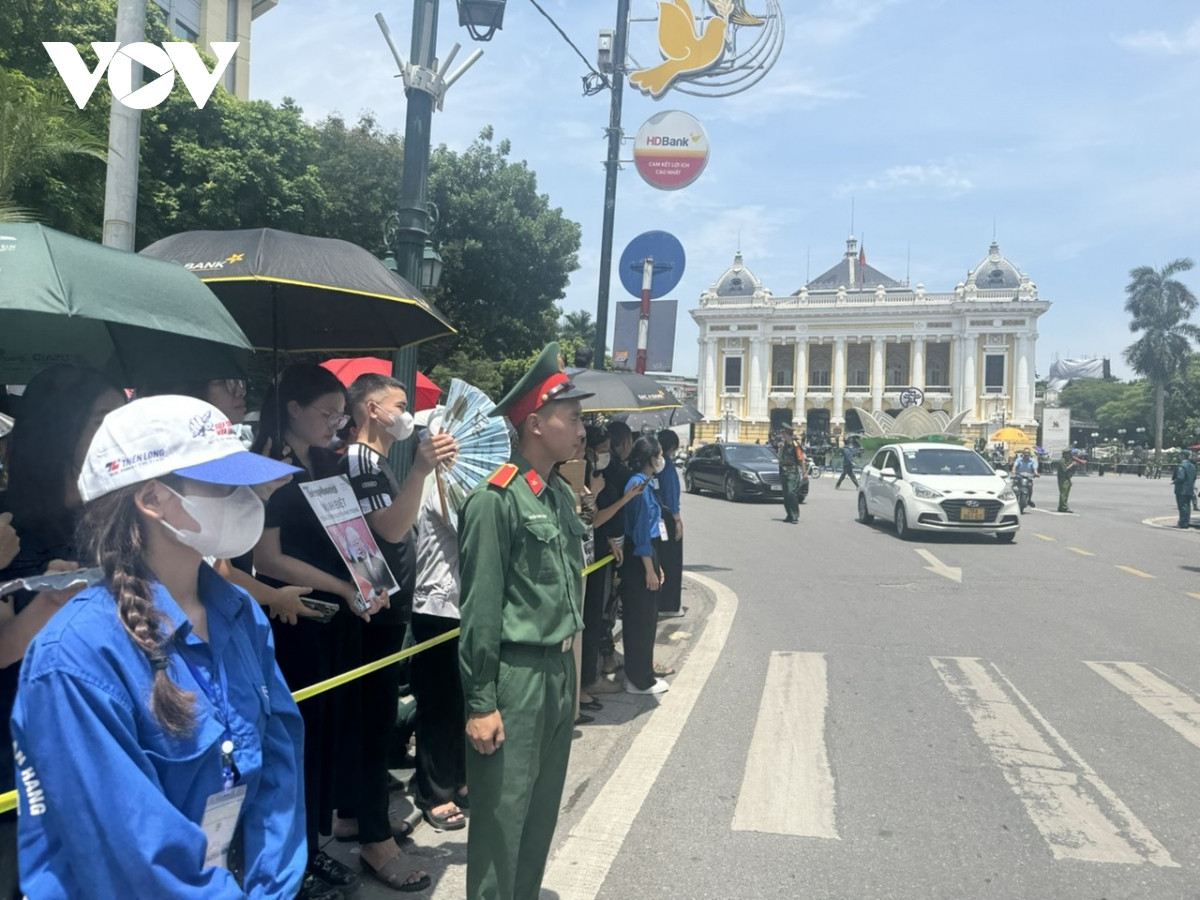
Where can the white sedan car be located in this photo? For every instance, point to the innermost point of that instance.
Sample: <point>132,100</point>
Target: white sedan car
<point>937,487</point>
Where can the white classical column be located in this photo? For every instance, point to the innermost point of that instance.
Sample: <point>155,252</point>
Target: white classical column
<point>916,364</point>
<point>759,384</point>
<point>839,381</point>
<point>709,396</point>
<point>1023,389</point>
<point>877,375</point>
<point>970,391</point>
<point>800,380</point>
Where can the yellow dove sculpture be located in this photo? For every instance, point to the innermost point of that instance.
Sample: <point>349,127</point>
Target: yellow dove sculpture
<point>686,51</point>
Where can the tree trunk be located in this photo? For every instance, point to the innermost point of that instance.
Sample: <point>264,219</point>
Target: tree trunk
<point>1160,393</point>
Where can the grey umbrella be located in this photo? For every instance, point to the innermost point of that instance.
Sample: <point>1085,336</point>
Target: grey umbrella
<point>658,419</point>
<point>621,391</point>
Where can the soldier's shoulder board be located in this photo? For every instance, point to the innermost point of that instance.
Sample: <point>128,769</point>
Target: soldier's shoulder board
<point>503,476</point>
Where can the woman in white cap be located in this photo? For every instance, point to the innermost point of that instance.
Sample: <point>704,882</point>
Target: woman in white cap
<point>158,749</point>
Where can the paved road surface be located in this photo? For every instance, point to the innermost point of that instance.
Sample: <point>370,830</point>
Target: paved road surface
<point>861,717</point>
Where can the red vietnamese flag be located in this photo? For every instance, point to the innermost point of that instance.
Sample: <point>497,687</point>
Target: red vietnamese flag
<point>862,264</point>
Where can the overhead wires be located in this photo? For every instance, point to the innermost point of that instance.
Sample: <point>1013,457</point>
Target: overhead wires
<point>594,82</point>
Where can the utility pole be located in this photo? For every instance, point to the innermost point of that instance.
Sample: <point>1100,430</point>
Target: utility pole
<point>612,165</point>
<point>124,129</point>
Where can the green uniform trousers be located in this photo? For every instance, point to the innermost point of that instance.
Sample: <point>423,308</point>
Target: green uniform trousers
<point>1064,491</point>
<point>790,478</point>
<point>515,792</point>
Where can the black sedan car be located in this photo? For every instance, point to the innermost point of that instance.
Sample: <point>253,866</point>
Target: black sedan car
<point>739,471</point>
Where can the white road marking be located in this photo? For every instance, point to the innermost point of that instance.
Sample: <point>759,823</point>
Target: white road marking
<point>1077,814</point>
<point>1169,704</point>
<point>788,785</point>
<point>580,865</point>
<point>937,567</point>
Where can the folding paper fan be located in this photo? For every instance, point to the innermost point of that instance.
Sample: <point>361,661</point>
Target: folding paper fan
<point>482,444</point>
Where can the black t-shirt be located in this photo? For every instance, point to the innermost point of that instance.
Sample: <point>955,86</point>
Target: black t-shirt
<point>616,476</point>
<point>376,486</point>
<point>37,549</point>
<point>301,534</point>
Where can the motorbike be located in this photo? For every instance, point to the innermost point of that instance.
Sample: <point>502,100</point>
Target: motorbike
<point>1023,487</point>
<point>814,471</point>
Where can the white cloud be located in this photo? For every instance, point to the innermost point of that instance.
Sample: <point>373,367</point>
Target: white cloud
<point>836,21</point>
<point>943,179</point>
<point>1175,43</point>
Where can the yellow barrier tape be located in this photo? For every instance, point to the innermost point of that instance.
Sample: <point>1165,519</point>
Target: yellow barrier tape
<point>598,564</point>
<point>9,800</point>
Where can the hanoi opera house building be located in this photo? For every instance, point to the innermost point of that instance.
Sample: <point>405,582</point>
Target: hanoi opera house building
<point>845,347</point>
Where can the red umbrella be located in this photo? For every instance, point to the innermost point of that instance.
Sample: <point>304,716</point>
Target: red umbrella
<point>349,368</point>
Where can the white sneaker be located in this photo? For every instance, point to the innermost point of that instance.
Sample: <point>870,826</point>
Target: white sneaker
<point>659,687</point>
<point>670,614</point>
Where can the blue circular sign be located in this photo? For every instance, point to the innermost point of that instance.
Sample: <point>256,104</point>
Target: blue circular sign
<point>668,259</point>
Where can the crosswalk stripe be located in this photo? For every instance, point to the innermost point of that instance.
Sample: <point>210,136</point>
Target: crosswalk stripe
<point>788,786</point>
<point>1169,704</point>
<point>1077,814</point>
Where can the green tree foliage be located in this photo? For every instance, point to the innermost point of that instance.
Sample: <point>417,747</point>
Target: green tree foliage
<point>1085,396</point>
<point>40,128</point>
<point>1160,307</point>
<point>507,253</point>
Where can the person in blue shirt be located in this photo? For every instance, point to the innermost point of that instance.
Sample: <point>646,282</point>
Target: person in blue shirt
<point>1025,464</point>
<point>670,551</point>
<point>158,751</point>
<point>641,571</point>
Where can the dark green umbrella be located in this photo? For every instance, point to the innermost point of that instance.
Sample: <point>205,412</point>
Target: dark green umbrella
<point>64,299</point>
<point>297,292</point>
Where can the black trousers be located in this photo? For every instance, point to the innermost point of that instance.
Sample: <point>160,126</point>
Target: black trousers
<point>595,596</point>
<point>441,715</point>
<point>670,555</point>
<point>639,621</point>
<point>363,793</point>
<point>847,471</point>
<point>306,654</point>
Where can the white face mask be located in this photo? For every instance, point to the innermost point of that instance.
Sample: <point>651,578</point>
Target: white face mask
<point>229,526</point>
<point>401,427</point>
<point>660,463</point>
<point>602,461</point>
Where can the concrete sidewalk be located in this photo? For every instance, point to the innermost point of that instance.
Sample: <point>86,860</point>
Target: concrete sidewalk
<point>598,747</point>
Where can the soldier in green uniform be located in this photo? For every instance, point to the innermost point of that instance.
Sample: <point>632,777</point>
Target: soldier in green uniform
<point>520,555</point>
<point>790,460</point>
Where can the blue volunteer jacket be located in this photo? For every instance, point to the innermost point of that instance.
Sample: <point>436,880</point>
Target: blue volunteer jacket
<point>110,805</point>
<point>642,514</point>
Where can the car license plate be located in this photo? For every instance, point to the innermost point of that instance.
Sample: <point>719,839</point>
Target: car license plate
<point>777,487</point>
<point>971,512</point>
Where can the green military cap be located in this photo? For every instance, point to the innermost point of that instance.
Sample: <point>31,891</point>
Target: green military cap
<point>788,426</point>
<point>545,381</point>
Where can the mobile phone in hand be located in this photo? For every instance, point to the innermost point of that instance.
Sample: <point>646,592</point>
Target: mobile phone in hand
<point>327,610</point>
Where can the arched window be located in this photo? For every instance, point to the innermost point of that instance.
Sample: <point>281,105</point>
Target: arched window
<point>896,371</point>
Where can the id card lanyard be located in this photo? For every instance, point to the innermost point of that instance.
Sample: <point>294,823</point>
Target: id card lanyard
<point>218,696</point>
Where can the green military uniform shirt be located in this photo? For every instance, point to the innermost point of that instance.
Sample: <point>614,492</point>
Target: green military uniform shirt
<point>520,555</point>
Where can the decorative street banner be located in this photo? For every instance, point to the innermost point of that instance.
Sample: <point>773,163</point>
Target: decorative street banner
<point>333,500</point>
<point>671,150</point>
<point>1056,430</point>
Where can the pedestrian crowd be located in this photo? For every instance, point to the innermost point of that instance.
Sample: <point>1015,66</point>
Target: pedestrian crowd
<point>155,745</point>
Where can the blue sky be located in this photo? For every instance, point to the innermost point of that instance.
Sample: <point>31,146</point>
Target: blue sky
<point>1071,129</point>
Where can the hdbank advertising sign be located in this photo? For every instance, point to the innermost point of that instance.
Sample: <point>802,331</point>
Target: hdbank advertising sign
<point>671,150</point>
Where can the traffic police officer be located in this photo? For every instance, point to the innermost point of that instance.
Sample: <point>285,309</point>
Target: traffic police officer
<point>1184,479</point>
<point>520,555</point>
<point>791,458</point>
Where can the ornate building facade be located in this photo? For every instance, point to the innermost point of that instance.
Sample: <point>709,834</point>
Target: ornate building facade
<point>853,340</point>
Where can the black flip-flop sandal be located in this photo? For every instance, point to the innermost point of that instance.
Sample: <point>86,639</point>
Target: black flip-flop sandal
<point>442,821</point>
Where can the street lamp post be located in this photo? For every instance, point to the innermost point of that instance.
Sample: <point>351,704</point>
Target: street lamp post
<point>424,86</point>
<point>728,410</point>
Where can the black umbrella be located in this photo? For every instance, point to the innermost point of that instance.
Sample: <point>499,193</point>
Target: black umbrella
<point>658,419</point>
<point>297,292</point>
<point>621,391</point>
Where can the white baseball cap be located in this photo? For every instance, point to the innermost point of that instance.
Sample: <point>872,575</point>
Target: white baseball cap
<point>168,434</point>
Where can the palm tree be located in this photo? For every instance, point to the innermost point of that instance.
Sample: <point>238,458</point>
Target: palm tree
<point>39,129</point>
<point>1160,308</point>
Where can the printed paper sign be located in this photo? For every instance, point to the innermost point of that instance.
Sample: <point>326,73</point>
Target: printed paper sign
<point>333,500</point>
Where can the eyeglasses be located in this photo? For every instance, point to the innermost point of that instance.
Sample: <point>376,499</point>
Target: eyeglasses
<point>336,421</point>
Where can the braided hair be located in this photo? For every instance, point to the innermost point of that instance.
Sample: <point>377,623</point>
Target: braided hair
<point>111,537</point>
